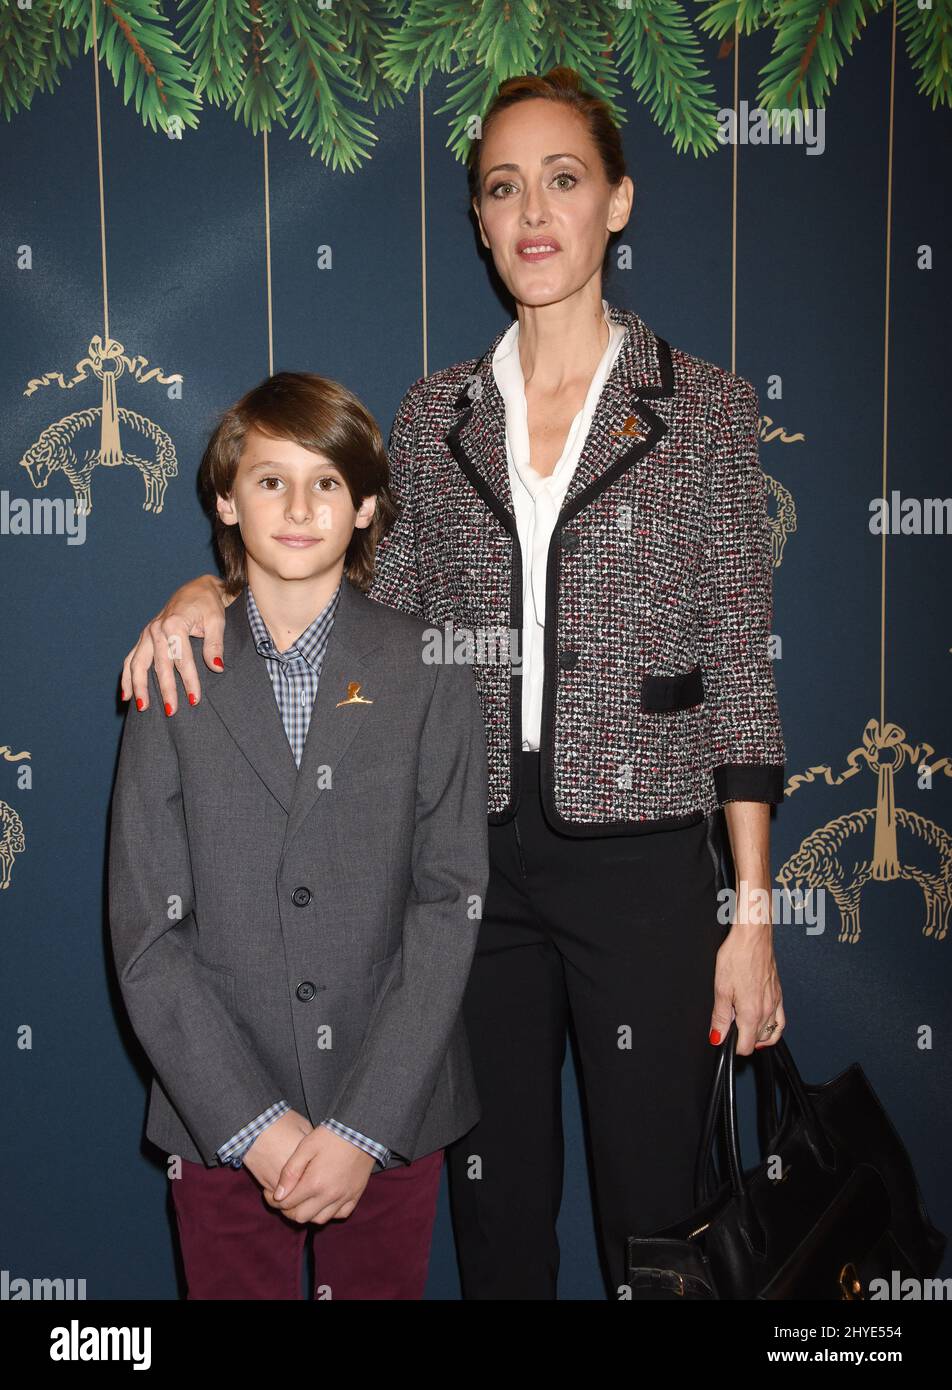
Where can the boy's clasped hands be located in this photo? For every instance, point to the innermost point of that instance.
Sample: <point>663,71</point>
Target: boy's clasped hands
<point>318,1174</point>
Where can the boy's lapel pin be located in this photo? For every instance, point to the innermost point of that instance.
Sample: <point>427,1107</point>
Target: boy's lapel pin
<point>354,696</point>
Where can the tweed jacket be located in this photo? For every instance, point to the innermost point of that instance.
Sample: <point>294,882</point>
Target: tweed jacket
<point>659,700</point>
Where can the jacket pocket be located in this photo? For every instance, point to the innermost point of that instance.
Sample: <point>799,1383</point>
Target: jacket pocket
<point>220,980</point>
<point>392,966</point>
<point>660,693</point>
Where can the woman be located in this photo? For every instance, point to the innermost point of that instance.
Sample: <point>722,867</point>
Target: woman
<point>584,506</point>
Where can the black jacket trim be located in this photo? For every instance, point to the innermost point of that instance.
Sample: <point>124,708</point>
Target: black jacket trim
<point>508,521</point>
<point>672,692</point>
<point>656,430</point>
<point>749,781</point>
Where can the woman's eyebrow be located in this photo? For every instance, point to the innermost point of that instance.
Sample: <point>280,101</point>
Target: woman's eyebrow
<point>546,160</point>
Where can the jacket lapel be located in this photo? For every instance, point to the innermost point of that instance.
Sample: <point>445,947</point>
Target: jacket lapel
<point>623,427</point>
<point>336,720</point>
<point>244,699</point>
<point>478,438</point>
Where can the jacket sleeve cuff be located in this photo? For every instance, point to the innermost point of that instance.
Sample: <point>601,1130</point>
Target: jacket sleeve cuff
<point>749,782</point>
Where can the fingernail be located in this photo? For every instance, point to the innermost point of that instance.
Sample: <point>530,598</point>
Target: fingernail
<point>193,699</point>
<point>279,1193</point>
<point>168,707</point>
<point>124,695</point>
<point>217,661</point>
<point>715,1036</point>
<point>138,703</point>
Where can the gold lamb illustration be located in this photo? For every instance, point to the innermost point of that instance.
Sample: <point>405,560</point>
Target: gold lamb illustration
<point>12,841</point>
<point>55,451</point>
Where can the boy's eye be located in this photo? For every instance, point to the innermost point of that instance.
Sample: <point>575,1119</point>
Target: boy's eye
<point>272,478</point>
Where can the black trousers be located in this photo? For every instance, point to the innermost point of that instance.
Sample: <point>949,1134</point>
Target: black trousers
<point>615,936</point>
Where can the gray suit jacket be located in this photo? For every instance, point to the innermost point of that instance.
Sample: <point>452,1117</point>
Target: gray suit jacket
<point>305,934</point>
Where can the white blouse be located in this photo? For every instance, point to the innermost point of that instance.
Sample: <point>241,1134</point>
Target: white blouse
<point>537,501</point>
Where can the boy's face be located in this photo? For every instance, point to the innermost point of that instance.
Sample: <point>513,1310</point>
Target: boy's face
<point>293,508</point>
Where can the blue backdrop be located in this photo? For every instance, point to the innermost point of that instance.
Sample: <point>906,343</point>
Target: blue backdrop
<point>185,236</point>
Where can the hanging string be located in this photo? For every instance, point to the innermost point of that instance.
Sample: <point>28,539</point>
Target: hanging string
<point>423,226</point>
<point>883,492</point>
<point>267,251</point>
<point>734,199</point>
<point>102,196</point>
<point>106,351</point>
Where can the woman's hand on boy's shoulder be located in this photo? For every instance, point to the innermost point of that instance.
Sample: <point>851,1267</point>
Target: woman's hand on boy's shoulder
<point>196,609</point>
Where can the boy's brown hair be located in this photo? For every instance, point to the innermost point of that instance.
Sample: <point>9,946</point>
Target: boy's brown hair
<point>320,415</point>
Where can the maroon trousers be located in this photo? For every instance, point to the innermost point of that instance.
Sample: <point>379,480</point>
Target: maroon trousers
<point>237,1247</point>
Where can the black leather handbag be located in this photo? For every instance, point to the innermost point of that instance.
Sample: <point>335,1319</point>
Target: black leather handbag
<point>841,1206</point>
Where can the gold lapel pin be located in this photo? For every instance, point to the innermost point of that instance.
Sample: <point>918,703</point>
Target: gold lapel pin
<point>354,696</point>
<point>631,428</point>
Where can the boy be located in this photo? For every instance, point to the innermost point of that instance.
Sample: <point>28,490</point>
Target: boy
<point>296,874</point>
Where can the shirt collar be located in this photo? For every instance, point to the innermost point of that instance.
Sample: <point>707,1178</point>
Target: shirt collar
<point>312,642</point>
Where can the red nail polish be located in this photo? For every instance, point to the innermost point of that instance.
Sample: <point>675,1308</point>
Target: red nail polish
<point>715,1036</point>
<point>217,661</point>
<point>193,699</point>
<point>138,703</point>
<point>168,708</point>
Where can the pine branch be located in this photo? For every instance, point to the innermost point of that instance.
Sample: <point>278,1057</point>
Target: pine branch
<point>316,75</point>
<point>213,32</point>
<point>928,35</point>
<point>137,47</point>
<point>505,43</point>
<point>582,39</point>
<point>718,18</point>
<point>259,102</point>
<point>811,44</point>
<point>432,36</point>
<point>365,25</point>
<point>657,46</point>
<point>33,47</point>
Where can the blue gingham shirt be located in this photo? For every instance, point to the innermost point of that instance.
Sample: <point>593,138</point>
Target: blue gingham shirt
<point>295,674</point>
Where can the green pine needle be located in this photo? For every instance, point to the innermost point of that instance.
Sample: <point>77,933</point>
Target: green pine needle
<point>34,46</point>
<point>306,67</point>
<point>928,35</point>
<point>812,41</point>
<point>660,50</point>
<point>137,47</point>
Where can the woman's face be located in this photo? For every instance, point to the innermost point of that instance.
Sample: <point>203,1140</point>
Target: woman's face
<point>542,184</point>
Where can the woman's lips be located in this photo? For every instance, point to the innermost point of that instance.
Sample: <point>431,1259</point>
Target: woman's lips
<point>530,253</point>
<point>298,542</point>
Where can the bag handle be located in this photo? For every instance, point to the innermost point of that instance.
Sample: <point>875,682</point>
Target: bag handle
<point>722,1105</point>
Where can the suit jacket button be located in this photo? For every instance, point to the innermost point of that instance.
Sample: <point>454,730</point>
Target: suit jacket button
<point>305,991</point>
<point>570,542</point>
<point>567,660</point>
<point>301,897</point>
